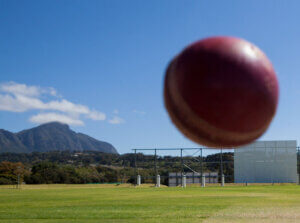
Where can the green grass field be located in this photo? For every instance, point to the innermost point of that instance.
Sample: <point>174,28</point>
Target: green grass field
<point>124,203</point>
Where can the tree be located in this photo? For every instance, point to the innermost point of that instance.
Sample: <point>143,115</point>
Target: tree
<point>9,172</point>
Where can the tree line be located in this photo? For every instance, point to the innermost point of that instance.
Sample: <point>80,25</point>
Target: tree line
<point>96,167</point>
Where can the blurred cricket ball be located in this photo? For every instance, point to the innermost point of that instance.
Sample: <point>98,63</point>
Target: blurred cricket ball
<point>221,92</point>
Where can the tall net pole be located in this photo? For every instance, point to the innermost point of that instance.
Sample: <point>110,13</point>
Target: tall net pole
<point>201,163</point>
<point>181,165</point>
<point>155,165</point>
<point>221,163</point>
<point>135,167</point>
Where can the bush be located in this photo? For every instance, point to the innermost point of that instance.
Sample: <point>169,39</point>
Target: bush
<point>6,181</point>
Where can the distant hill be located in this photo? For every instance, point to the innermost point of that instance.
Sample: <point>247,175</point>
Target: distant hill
<point>49,137</point>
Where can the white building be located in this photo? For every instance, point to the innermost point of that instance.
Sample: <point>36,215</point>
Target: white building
<point>266,162</point>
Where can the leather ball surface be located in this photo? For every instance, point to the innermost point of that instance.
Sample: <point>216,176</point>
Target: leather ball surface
<point>221,92</point>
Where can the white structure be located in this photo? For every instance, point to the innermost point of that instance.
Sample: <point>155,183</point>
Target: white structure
<point>223,180</point>
<point>138,181</point>
<point>183,181</point>
<point>158,181</point>
<point>192,178</point>
<point>203,181</point>
<point>266,162</point>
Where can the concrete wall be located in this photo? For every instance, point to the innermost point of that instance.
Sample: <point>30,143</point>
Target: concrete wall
<point>266,162</point>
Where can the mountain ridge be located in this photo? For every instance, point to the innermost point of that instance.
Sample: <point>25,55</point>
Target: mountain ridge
<point>49,137</point>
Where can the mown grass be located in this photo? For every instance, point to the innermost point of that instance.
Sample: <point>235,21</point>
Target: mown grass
<point>125,203</point>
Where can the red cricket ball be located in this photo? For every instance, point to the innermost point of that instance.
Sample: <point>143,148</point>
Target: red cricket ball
<point>221,92</point>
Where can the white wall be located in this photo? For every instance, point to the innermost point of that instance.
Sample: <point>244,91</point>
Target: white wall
<point>266,162</point>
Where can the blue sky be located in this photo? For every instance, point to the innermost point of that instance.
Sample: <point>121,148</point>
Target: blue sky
<point>99,65</point>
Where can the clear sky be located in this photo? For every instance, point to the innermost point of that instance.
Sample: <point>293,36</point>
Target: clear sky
<point>99,65</point>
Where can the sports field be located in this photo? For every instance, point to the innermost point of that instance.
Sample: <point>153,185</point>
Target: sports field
<point>125,203</point>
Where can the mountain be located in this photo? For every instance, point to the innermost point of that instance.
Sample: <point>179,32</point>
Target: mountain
<point>9,142</point>
<point>49,137</point>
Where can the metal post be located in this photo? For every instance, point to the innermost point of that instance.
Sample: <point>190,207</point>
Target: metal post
<point>181,165</point>
<point>135,168</point>
<point>155,164</point>
<point>201,164</point>
<point>157,180</point>
<point>221,164</point>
